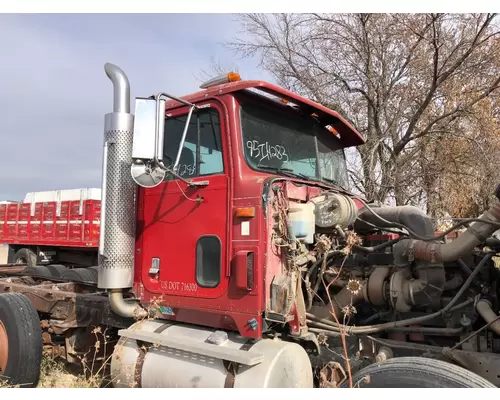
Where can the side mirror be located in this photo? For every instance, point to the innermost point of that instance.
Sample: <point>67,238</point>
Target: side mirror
<point>149,122</point>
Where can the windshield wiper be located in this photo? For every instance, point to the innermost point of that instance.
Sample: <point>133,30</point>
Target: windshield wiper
<point>332,182</point>
<point>284,171</point>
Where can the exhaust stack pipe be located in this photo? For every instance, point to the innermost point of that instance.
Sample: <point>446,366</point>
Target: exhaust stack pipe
<point>118,204</point>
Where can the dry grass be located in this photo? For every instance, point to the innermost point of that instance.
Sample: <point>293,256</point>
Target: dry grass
<point>55,373</point>
<point>90,373</point>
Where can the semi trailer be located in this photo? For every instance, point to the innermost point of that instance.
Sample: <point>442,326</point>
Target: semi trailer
<point>232,254</point>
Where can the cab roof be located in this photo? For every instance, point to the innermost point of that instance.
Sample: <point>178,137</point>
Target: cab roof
<point>347,134</point>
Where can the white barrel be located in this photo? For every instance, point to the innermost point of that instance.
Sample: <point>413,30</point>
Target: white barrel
<point>285,365</point>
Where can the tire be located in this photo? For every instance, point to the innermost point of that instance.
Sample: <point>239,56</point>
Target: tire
<point>79,275</point>
<point>25,256</point>
<point>95,272</point>
<point>20,328</point>
<point>39,270</point>
<point>56,270</point>
<point>416,372</point>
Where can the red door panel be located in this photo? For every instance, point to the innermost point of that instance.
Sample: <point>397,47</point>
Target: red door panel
<point>172,226</point>
<point>175,215</point>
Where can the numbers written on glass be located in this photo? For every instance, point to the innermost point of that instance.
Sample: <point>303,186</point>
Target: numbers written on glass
<point>266,151</point>
<point>186,169</point>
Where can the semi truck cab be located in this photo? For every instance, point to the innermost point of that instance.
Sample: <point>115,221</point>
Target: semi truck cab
<point>202,244</point>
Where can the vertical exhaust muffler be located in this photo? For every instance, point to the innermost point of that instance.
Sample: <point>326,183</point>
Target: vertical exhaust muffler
<point>118,203</point>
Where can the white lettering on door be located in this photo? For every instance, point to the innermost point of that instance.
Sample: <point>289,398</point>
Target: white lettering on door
<point>179,286</point>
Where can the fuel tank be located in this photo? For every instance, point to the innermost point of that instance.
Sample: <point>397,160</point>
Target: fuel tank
<point>283,365</point>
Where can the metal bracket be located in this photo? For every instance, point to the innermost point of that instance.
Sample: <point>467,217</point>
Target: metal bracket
<point>202,348</point>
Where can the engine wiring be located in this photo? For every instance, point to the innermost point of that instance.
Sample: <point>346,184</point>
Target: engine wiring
<point>283,237</point>
<point>318,278</point>
<point>340,327</point>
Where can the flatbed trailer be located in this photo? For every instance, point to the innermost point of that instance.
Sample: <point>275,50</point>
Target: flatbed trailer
<point>59,231</point>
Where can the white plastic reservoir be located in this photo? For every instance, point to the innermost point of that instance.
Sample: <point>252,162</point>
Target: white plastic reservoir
<point>284,364</point>
<point>302,219</point>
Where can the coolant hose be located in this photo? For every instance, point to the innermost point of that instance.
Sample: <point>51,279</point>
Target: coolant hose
<point>484,309</point>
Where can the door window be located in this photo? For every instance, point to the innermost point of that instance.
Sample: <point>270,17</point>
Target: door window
<point>208,261</point>
<point>203,136</point>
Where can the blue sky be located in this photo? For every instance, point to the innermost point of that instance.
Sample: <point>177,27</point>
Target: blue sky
<point>54,92</point>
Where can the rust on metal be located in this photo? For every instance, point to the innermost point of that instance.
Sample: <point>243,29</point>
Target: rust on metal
<point>54,351</point>
<point>4,348</point>
<point>69,304</point>
<point>138,366</point>
<point>332,375</point>
<point>12,268</point>
<point>426,251</point>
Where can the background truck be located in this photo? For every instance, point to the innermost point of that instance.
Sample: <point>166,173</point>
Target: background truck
<point>52,227</point>
<point>232,254</point>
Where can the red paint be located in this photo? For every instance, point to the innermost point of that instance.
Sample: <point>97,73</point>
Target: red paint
<point>169,226</point>
<point>71,229</point>
<point>296,192</point>
<point>348,134</point>
<point>170,223</point>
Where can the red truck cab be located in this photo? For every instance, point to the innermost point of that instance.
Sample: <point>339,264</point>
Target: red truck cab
<point>203,251</point>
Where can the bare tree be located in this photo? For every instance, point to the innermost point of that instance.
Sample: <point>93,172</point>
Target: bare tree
<point>215,68</point>
<point>407,82</point>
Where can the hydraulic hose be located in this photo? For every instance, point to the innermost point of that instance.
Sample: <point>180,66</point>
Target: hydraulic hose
<point>366,330</point>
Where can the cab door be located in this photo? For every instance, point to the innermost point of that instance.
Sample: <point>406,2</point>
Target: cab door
<point>184,226</point>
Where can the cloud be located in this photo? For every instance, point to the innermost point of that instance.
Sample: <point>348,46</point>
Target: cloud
<point>54,92</point>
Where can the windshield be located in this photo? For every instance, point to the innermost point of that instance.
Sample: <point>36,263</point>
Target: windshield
<point>291,143</point>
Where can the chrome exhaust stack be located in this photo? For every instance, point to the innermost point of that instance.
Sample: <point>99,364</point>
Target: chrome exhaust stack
<point>118,204</point>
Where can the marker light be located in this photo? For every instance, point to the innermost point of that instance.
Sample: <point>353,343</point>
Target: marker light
<point>332,129</point>
<point>245,212</point>
<point>224,78</point>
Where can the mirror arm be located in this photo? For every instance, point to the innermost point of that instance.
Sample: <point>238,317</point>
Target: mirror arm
<point>183,139</point>
<point>158,97</point>
<point>181,145</point>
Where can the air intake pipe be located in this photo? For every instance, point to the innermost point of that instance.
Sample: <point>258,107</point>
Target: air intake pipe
<point>118,204</point>
<point>476,234</point>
